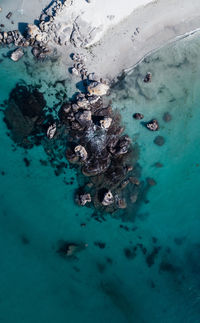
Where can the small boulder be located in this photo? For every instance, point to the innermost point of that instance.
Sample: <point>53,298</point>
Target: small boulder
<point>84,198</point>
<point>167,117</point>
<point>17,54</point>
<point>96,88</point>
<point>152,125</point>
<point>108,199</point>
<point>106,123</point>
<point>81,152</point>
<point>138,116</point>
<point>148,77</point>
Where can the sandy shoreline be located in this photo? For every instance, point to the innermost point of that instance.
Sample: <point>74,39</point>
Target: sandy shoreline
<point>145,29</point>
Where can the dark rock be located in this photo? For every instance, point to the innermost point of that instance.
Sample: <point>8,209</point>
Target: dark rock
<point>159,141</point>
<point>138,116</point>
<point>150,259</point>
<point>101,245</point>
<point>130,253</point>
<point>24,113</point>
<point>9,15</point>
<point>148,77</point>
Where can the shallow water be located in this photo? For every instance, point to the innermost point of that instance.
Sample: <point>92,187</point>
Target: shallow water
<point>159,281</point>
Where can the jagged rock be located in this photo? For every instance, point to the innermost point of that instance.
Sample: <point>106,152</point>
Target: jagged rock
<point>148,77</point>
<point>108,199</point>
<point>17,54</point>
<point>138,116</point>
<point>159,141</point>
<point>81,152</point>
<point>153,125</point>
<point>106,123</point>
<point>51,131</point>
<point>84,198</point>
<point>98,89</point>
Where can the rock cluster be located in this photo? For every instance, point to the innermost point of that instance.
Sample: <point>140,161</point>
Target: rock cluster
<point>39,36</point>
<point>97,145</point>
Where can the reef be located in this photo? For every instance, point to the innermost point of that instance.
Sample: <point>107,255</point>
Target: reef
<point>25,115</point>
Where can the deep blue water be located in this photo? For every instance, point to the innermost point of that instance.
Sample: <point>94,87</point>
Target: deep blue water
<point>161,283</point>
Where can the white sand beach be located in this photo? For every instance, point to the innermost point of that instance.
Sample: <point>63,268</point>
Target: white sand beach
<point>112,36</point>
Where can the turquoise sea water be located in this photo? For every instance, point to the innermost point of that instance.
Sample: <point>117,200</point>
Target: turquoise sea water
<point>159,281</point>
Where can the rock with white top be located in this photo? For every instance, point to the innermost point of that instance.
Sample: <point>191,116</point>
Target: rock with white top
<point>97,88</point>
<point>17,54</point>
<point>108,199</point>
<point>51,131</point>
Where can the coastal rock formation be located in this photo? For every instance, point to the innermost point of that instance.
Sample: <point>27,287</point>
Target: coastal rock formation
<point>97,144</point>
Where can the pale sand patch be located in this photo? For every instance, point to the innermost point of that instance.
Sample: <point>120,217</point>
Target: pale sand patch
<point>126,32</point>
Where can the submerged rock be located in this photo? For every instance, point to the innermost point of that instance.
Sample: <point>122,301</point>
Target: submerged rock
<point>69,249</point>
<point>159,141</point>
<point>17,54</point>
<point>167,117</point>
<point>24,113</point>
